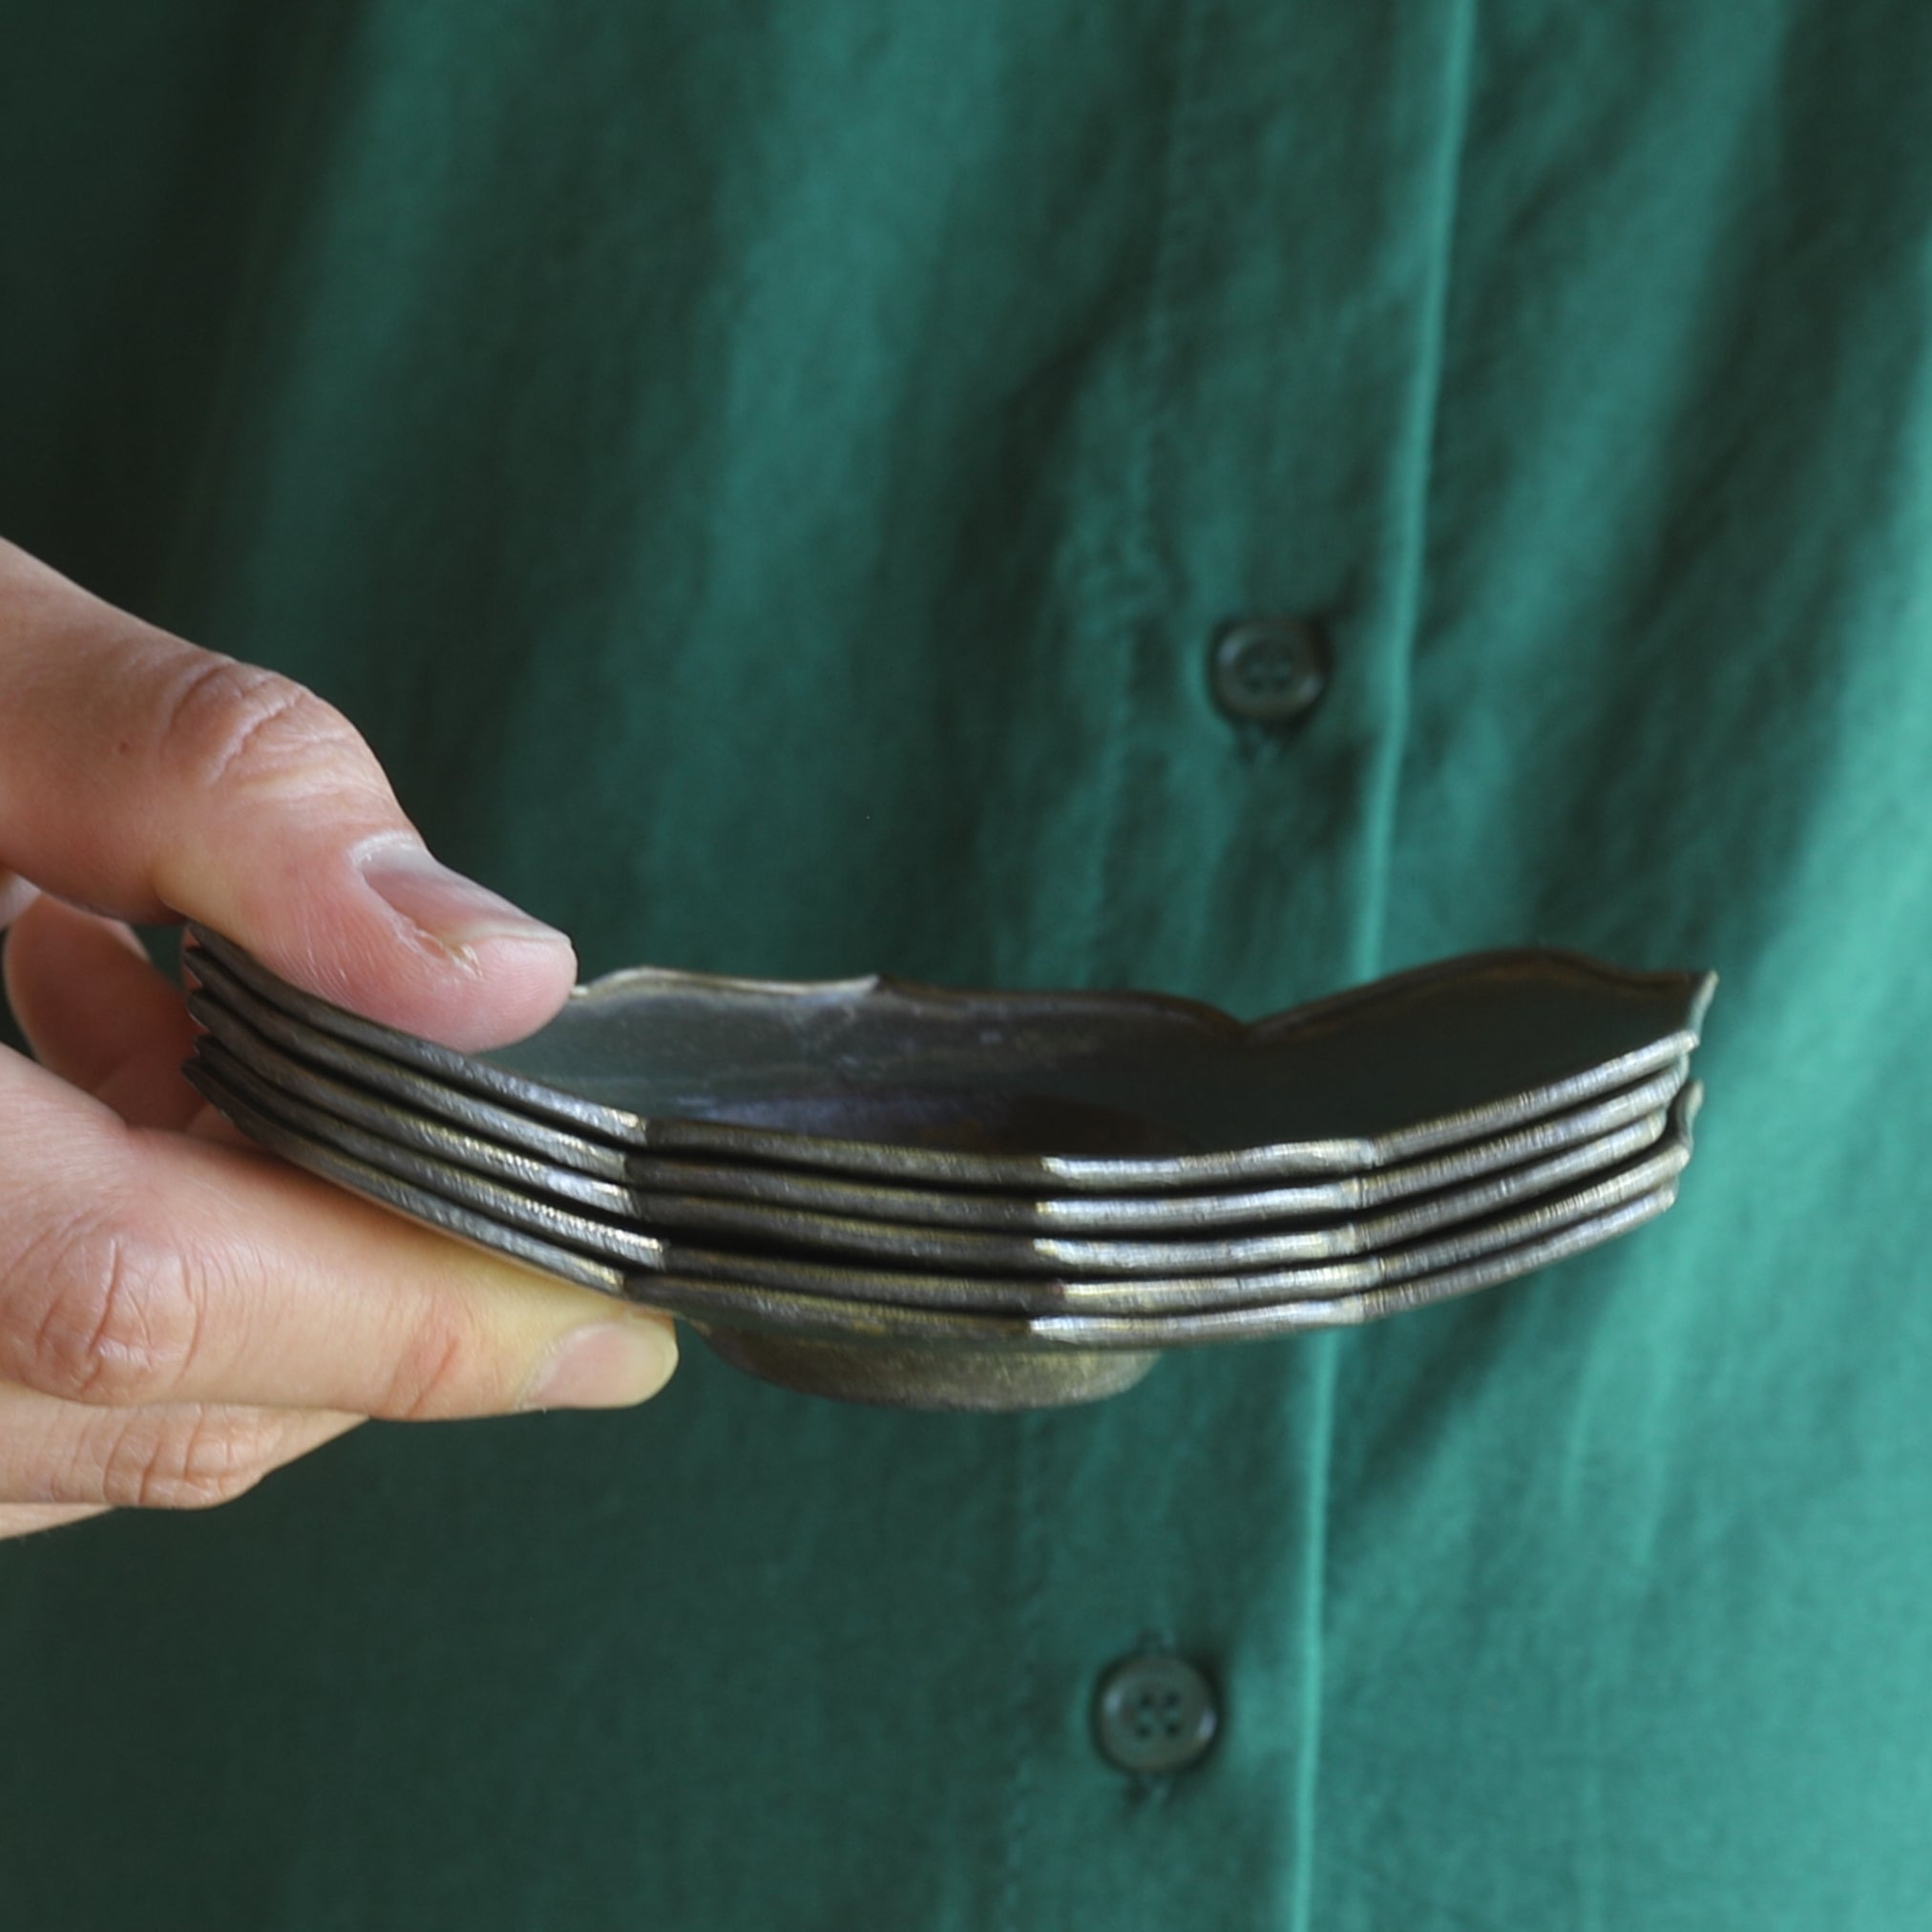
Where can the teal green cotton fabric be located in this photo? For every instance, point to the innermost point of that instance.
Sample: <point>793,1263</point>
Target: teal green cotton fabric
<point>765,479</point>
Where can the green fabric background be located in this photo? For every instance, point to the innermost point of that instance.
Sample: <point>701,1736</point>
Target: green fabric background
<point>765,477</point>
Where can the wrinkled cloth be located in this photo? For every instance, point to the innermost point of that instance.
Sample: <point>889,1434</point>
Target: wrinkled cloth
<point>766,480</point>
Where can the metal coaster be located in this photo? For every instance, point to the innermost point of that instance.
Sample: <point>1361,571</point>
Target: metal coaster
<point>926,1360</point>
<point>248,1024</point>
<point>1061,1092</point>
<point>638,1251</point>
<point>265,1075</point>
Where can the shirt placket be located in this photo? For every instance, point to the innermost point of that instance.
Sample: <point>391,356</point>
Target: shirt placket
<point>1261,525</point>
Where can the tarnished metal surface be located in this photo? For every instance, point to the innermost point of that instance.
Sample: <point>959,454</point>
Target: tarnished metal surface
<point>1108,1092</point>
<point>930,1358</point>
<point>288,1053</point>
<point>895,1194</point>
<point>634,1252</point>
<point>921,1376</point>
<point>653,1213</point>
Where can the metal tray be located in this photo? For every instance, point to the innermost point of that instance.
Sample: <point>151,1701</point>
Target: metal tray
<point>925,1358</point>
<point>1065,1092</point>
<point>299,1053</point>
<point>266,1077</point>
<point>638,1251</point>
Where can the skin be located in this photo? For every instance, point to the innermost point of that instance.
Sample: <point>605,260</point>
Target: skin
<point>179,1315</point>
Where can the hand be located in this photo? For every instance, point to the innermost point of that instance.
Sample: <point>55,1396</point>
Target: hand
<point>179,1315</point>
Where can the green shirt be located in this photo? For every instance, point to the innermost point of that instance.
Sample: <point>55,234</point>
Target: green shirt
<point>767,479</point>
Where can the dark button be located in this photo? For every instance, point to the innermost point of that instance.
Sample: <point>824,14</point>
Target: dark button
<point>1269,670</point>
<point>1154,1714</point>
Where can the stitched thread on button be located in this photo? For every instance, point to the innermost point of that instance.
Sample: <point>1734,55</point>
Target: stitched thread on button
<point>1154,1714</point>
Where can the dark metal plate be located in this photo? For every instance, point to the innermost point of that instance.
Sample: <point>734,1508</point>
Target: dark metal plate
<point>636,1250</point>
<point>299,1053</point>
<point>923,1358</point>
<point>266,1078</point>
<point>1062,1092</point>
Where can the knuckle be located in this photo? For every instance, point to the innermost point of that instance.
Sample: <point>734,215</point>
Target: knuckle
<point>192,1460</point>
<point>223,725</point>
<point>111,1313</point>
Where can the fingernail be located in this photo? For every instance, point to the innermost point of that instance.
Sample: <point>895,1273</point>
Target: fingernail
<point>608,1365</point>
<point>453,911</point>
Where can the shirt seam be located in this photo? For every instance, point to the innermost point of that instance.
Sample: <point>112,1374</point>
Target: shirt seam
<point>1142,568</point>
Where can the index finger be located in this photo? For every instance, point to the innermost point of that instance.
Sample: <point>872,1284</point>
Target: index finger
<point>147,778</point>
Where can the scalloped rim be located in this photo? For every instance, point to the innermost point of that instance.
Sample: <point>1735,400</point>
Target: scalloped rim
<point>1073,1172</point>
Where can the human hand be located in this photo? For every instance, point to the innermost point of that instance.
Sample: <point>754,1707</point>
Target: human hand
<point>179,1315</point>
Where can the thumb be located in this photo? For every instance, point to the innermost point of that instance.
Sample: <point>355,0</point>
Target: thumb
<point>149,779</point>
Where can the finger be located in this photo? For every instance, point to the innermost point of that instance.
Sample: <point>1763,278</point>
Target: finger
<point>150,779</point>
<point>31,1517</point>
<point>100,1017</point>
<point>139,1267</point>
<point>16,894</point>
<point>188,1455</point>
